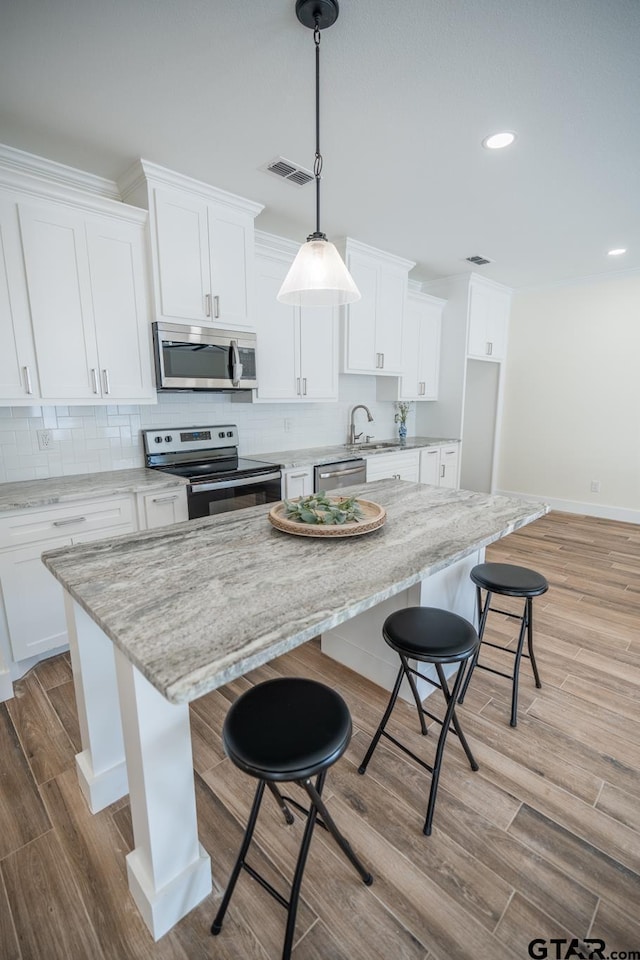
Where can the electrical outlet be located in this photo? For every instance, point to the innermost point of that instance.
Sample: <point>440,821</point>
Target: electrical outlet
<point>595,486</point>
<point>287,424</point>
<point>45,439</point>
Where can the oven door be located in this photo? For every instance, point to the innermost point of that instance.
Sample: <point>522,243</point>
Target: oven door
<point>222,496</point>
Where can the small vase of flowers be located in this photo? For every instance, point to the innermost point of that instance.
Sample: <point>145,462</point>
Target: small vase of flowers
<point>400,418</point>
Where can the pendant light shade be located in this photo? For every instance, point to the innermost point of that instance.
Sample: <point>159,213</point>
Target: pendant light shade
<point>318,276</point>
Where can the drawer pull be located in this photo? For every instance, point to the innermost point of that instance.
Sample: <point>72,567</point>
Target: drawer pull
<point>297,476</point>
<point>165,499</point>
<point>63,523</point>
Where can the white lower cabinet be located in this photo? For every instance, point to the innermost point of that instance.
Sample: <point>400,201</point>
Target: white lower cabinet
<point>394,466</point>
<point>297,482</point>
<point>162,508</point>
<point>439,465</point>
<point>33,599</point>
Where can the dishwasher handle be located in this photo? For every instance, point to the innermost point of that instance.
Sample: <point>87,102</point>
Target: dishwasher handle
<point>339,473</point>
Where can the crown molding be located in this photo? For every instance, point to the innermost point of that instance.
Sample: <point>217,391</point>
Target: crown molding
<point>279,248</point>
<point>17,163</point>
<point>356,246</point>
<point>148,173</point>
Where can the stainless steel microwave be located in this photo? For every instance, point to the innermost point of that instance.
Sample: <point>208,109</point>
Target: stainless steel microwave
<point>203,358</point>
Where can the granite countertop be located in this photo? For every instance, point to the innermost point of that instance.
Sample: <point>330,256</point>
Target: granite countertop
<point>310,456</point>
<point>23,494</point>
<point>196,604</point>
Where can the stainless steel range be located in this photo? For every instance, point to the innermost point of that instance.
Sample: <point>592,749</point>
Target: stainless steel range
<point>219,480</point>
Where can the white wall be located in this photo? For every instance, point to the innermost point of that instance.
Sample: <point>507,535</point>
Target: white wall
<point>89,439</point>
<point>572,397</point>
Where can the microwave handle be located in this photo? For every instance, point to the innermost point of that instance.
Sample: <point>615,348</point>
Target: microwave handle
<point>236,366</point>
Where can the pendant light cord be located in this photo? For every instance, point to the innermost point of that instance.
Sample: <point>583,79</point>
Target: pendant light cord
<point>317,162</point>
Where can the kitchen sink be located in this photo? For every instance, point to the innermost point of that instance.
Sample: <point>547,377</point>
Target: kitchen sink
<point>372,445</point>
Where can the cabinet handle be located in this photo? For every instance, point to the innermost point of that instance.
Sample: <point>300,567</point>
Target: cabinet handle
<point>449,453</point>
<point>165,499</point>
<point>304,386</point>
<point>423,388</point>
<point>442,471</point>
<point>298,385</point>
<point>94,378</point>
<point>64,523</point>
<point>27,380</point>
<point>489,348</point>
<point>297,476</point>
<point>207,305</point>
<point>382,361</point>
<point>216,307</point>
<point>105,380</point>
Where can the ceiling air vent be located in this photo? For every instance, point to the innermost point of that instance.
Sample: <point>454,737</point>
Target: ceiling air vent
<point>478,260</point>
<point>288,171</point>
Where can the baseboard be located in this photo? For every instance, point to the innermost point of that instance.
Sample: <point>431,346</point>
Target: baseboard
<point>605,512</point>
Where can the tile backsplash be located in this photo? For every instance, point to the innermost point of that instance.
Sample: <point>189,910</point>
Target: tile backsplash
<point>88,439</point>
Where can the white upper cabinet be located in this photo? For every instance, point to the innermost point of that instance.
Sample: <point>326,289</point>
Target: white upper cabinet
<point>202,242</point>
<point>420,351</point>
<point>489,307</point>
<point>18,371</point>
<point>297,348</point>
<point>372,326</point>
<point>89,309</point>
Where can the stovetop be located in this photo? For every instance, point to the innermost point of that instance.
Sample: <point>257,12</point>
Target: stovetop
<point>200,453</point>
<point>218,469</point>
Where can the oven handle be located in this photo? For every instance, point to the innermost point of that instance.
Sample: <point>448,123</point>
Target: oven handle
<point>240,482</point>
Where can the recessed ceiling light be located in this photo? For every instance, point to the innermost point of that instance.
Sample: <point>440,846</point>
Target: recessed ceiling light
<point>617,251</point>
<point>498,140</point>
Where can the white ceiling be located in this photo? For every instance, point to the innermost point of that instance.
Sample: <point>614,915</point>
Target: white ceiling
<point>216,88</point>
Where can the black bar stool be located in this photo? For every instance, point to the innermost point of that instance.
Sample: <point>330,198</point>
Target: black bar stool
<point>287,730</point>
<point>428,635</point>
<point>507,580</point>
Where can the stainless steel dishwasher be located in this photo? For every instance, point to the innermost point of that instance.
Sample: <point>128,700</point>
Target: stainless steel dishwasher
<point>331,476</point>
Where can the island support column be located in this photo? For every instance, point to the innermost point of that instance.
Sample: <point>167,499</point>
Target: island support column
<point>101,767</point>
<point>169,870</point>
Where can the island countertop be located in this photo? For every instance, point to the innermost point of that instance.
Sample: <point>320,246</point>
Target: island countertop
<point>196,604</point>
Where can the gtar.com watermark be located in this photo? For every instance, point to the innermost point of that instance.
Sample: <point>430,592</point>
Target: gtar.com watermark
<point>557,948</point>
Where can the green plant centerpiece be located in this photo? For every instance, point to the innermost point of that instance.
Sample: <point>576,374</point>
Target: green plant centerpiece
<point>318,508</point>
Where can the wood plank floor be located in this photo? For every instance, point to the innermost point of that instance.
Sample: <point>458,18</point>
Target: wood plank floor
<point>543,842</point>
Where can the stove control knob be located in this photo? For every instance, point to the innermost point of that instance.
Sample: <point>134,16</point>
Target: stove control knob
<point>221,434</point>
<point>168,438</point>
<point>229,433</point>
<point>157,439</point>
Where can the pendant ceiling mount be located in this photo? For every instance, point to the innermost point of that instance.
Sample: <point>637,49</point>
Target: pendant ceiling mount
<point>321,13</point>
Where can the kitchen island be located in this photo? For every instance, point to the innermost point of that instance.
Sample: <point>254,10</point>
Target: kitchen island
<point>159,618</point>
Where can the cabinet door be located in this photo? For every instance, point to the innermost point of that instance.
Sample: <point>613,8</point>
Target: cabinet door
<point>498,323</point>
<point>488,320</point>
<point>319,353</point>
<point>118,286</point>
<point>278,332</point>
<point>33,600</point>
<point>449,459</point>
<point>59,284</point>
<point>180,245</point>
<point>297,482</point>
<point>430,466</point>
<point>411,353</point>
<point>231,236</point>
<point>18,374</point>
<point>389,316</point>
<point>360,318</point>
<point>429,352</point>
<point>394,466</point>
<point>162,508</point>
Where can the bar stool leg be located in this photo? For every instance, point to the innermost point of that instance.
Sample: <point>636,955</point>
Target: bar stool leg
<point>454,720</point>
<point>281,802</point>
<point>483,612</point>
<point>414,690</point>
<point>534,665</point>
<point>435,776</point>
<point>516,667</point>
<point>374,743</point>
<point>344,844</point>
<point>297,877</point>
<point>216,926</point>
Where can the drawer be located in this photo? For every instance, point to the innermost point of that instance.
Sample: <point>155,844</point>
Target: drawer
<point>70,520</point>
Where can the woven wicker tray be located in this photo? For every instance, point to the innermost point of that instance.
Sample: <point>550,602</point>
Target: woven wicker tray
<point>373,517</point>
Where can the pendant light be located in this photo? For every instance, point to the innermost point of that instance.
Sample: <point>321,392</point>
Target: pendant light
<point>318,276</point>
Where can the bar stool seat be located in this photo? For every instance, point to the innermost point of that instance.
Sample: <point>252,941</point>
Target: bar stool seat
<point>507,580</point>
<point>287,730</point>
<point>432,636</point>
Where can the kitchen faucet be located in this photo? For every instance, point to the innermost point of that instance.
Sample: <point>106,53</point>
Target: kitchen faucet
<point>353,436</point>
